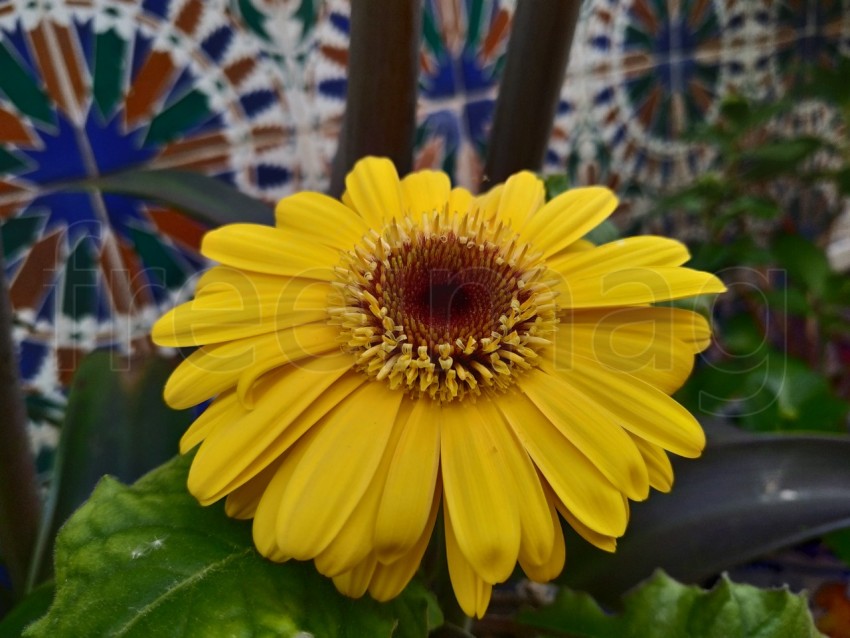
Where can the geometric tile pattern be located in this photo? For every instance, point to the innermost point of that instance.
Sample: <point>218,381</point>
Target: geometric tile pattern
<point>90,88</point>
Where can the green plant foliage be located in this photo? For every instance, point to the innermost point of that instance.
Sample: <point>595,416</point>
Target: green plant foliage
<point>555,185</point>
<point>27,611</point>
<point>782,326</point>
<point>206,198</point>
<point>747,496</point>
<point>116,423</point>
<point>663,608</point>
<point>147,560</point>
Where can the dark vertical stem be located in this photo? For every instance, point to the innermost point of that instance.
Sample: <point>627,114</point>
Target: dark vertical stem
<point>19,500</point>
<point>383,70</point>
<point>538,52</point>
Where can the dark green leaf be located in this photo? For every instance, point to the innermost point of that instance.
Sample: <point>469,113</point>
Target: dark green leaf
<point>790,300</point>
<point>555,185</point>
<point>785,382</point>
<point>830,83</point>
<point>147,560</point>
<point>744,498</point>
<point>208,199</point>
<point>736,111</point>
<point>30,609</point>
<point>839,542</point>
<point>663,608</point>
<point>805,263</point>
<point>750,205</point>
<point>603,233</point>
<point>116,423</point>
<point>842,178</point>
<point>706,192</point>
<point>772,159</point>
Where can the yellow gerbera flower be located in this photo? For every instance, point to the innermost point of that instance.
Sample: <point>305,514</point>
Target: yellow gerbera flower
<point>415,347</point>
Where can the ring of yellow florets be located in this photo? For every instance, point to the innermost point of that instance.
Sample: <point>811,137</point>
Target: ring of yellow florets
<point>444,307</point>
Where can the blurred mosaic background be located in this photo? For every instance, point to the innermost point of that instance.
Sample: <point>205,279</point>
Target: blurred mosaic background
<point>252,92</point>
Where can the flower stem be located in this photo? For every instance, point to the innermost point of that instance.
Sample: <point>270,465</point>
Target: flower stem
<point>538,52</point>
<point>383,65</point>
<point>19,500</point>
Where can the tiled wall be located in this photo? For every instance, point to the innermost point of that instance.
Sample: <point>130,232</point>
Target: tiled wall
<point>253,91</point>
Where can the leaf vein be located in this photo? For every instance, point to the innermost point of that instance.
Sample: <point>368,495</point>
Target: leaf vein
<point>180,585</point>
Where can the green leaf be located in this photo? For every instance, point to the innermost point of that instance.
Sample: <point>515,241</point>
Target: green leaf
<point>772,159</point>
<point>707,191</point>
<point>663,608</point>
<point>556,184</point>
<point>208,199</point>
<point>148,560</point>
<point>116,423</point>
<point>27,611</point>
<point>744,498</point>
<point>603,233</point>
<point>842,179</point>
<point>735,110</point>
<point>754,206</point>
<point>839,542</point>
<point>805,263</point>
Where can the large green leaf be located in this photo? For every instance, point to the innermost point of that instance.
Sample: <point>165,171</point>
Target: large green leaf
<point>147,560</point>
<point>206,198</point>
<point>663,608</point>
<point>747,496</point>
<point>116,423</point>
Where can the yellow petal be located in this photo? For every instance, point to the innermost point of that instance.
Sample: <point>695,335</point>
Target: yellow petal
<point>603,542</point>
<point>578,246</point>
<point>225,409</point>
<point>522,197</point>
<point>389,580</point>
<point>290,346</point>
<point>309,217</point>
<point>639,407</point>
<point>425,192</point>
<point>657,358</point>
<point>632,252</point>
<point>354,583</point>
<point>480,495</point>
<point>243,501</point>
<point>658,464</point>
<point>576,481</point>
<point>336,470</point>
<point>685,326</point>
<point>269,250</point>
<point>568,217</point>
<point>214,368</point>
<point>537,532</point>
<point>635,286</point>
<point>374,190</point>
<point>225,315</point>
<point>236,451</point>
<point>591,429</point>
<point>228,287</point>
<point>460,201</point>
<point>409,492</point>
<point>355,540</point>
<point>264,529</point>
<point>471,591</point>
<point>489,202</point>
<point>544,570</point>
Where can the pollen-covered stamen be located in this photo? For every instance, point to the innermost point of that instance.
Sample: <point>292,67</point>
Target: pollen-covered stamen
<point>445,306</point>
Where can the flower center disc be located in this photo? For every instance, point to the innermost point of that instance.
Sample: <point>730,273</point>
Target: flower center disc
<point>449,306</point>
